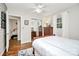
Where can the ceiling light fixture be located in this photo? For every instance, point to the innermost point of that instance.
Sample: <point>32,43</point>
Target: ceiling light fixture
<point>38,10</point>
<point>39,7</point>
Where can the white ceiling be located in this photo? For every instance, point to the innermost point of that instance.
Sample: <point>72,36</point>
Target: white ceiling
<point>50,8</point>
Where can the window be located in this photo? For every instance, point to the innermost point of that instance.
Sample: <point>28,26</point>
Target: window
<point>59,22</point>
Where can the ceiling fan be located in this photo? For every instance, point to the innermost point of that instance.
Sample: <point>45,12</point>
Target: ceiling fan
<point>38,7</point>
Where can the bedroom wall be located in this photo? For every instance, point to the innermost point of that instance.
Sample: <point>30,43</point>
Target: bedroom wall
<point>56,31</point>
<point>71,22</point>
<point>69,30</point>
<point>74,22</point>
<point>2,47</point>
<point>47,19</point>
<point>70,18</point>
<point>12,25</point>
<point>66,22</point>
<point>25,29</point>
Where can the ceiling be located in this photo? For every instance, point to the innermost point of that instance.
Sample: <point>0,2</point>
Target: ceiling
<point>49,8</point>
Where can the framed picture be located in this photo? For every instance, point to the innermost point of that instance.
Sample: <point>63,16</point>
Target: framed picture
<point>3,20</point>
<point>26,22</point>
<point>59,22</point>
<point>2,24</point>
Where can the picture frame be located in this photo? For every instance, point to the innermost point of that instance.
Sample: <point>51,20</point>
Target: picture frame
<point>26,22</point>
<point>59,22</point>
<point>2,24</point>
<point>3,20</point>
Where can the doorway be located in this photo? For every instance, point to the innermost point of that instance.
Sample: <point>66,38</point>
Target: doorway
<point>13,34</point>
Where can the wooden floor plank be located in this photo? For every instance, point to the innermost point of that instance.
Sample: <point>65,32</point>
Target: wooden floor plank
<point>15,46</point>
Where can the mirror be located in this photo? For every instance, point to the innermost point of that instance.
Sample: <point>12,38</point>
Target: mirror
<point>36,27</point>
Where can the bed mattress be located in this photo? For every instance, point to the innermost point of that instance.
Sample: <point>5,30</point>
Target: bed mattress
<point>56,46</point>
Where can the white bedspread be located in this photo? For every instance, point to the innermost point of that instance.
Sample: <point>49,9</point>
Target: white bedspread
<point>57,46</point>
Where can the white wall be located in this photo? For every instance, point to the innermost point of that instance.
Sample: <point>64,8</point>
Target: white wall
<point>13,25</point>
<point>70,30</point>
<point>74,22</point>
<point>66,22</point>
<point>56,31</point>
<point>46,20</point>
<point>2,42</point>
<point>25,29</point>
<point>70,18</point>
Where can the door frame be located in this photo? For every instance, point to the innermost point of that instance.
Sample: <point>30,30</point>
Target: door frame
<point>7,29</point>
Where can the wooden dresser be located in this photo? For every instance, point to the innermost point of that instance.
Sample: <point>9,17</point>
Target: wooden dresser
<point>48,31</point>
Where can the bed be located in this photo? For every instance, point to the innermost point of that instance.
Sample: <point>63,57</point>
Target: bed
<point>56,46</point>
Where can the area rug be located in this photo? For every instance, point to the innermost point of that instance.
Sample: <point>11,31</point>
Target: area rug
<point>26,52</point>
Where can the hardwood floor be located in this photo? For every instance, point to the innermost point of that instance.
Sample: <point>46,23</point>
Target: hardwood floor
<point>15,46</point>
<point>26,45</point>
